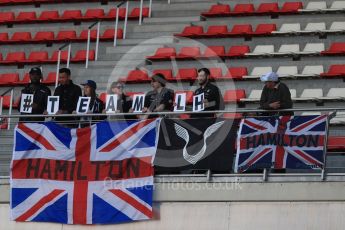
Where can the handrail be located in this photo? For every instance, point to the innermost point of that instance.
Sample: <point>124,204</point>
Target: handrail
<point>69,44</point>
<point>178,113</point>
<point>3,94</point>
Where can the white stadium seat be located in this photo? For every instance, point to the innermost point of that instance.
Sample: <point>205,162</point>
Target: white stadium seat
<point>257,72</point>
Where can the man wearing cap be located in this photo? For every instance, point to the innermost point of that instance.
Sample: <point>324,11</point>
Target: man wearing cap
<point>275,95</point>
<point>40,94</point>
<point>160,98</point>
<point>96,105</point>
<point>69,94</point>
<point>213,99</point>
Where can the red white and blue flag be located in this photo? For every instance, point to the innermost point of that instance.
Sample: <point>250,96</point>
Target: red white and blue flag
<point>295,142</point>
<point>97,175</point>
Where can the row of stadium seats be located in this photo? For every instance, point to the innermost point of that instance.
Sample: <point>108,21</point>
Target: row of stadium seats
<point>190,74</point>
<point>237,73</point>
<point>27,2</point>
<point>248,9</point>
<point>246,30</point>
<point>61,36</point>
<point>42,57</point>
<point>69,16</point>
<point>236,51</point>
<point>13,79</point>
<point>335,94</point>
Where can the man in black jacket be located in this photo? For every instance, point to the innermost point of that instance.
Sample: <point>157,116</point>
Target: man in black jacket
<point>69,94</point>
<point>275,95</point>
<point>40,94</point>
<point>213,99</point>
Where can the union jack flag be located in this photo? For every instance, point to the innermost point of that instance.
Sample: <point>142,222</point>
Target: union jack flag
<point>295,142</point>
<point>96,175</point>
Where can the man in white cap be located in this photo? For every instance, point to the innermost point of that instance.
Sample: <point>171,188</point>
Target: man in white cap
<point>275,95</point>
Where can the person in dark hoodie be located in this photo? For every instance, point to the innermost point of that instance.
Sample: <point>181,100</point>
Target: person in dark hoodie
<point>40,94</point>
<point>275,95</point>
<point>69,94</point>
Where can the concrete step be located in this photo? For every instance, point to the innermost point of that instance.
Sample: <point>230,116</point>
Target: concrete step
<point>143,41</point>
<point>177,6</point>
<point>167,20</point>
<point>145,28</point>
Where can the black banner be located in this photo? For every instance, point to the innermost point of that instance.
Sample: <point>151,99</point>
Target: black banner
<point>200,144</point>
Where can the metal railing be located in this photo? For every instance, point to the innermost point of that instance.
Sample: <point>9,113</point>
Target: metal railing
<point>265,175</point>
<point>8,119</point>
<point>69,45</point>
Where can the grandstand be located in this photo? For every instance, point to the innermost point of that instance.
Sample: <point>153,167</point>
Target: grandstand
<point>303,41</point>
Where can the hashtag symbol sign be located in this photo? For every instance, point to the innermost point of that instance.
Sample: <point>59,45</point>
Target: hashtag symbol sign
<point>26,104</point>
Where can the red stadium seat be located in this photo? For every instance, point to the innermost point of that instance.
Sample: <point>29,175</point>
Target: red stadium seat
<point>136,12</point>
<point>186,74</point>
<point>217,10</point>
<point>83,35</point>
<point>6,100</point>
<point>291,7</point>
<point>334,71</point>
<point>15,58</point>
<point>188,52</point>
<point>26,16</point>
<point>216,73</point>
<point>1,58</point>
<point>112,14</point>
<point>238,51</point>
<point>241,30</point>
<point>164,53</point>
<point>191,31</point>
<point>8,78</point>
<point>268,8</point>
<point>236,72</point>
<point>21,37</point>
<point>25,80</point>
<point>50,15</point>
<point>243,9</point>
<point>216,31</point>
<point>44,36</point>
<point>93,14</point>
<point>214,51</point>
<point>336,48</point>
<point>6,17</point>
<point>38,57</point>
<point>71,15</point>
<point>63,57</point>
<point>137,76</point>
<point>336,143</point>
<point>50,79</point>
<point>3,37</point>
<point>166,72</point>
<point>80,56</point>
<point>264,29</point>
<point>67,35</point>
<point>109,34</point>
<point>189,95</point>
<point>234,95</point>
<point>3,123</point>
<point>103,97</point>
